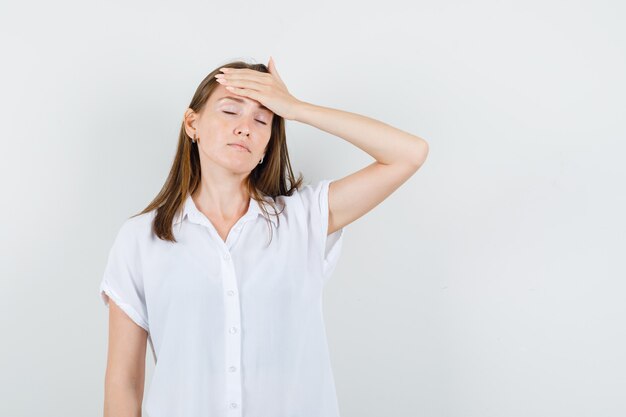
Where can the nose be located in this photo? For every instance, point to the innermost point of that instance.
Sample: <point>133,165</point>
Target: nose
<point>243,127</point>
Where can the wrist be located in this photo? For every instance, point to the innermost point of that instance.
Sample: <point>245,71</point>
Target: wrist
<point>298,110</point>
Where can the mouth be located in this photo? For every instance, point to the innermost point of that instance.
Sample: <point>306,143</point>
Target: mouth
<point>239,147</point>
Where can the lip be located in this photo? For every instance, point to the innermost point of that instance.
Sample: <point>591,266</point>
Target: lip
<point>240,146</point>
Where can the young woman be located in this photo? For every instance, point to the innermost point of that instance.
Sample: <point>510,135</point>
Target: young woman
<point>233,315</point>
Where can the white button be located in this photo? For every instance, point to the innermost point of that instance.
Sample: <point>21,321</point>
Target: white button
<point>233,330</point>
<point>230,292</point>
<point>232,369</point>
<point>233,405</point>
<point>227,256</point>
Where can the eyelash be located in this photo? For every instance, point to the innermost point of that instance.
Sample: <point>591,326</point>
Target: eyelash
<point>228,112</point>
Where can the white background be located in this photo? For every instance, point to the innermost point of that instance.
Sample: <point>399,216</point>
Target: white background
<point>491,284</point>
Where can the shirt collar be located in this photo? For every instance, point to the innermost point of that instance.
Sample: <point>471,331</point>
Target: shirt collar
<point>191,212</point>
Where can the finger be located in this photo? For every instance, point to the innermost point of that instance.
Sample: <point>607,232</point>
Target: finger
<point>245,71</point>
<point>254,95</point>
<point>241,83</point>
<point>243,77</point>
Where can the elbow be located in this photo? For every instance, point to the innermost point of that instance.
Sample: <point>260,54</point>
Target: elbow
<point>420,154</point>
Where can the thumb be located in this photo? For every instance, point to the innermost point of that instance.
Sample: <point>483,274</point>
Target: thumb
<point>272,68</point>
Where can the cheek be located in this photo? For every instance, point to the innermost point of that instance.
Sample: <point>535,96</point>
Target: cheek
<point>219,122</point>
<point>216,129</point>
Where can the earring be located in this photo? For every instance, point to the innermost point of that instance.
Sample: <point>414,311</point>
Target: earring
<point>194,138</point>
<point>261,159</point>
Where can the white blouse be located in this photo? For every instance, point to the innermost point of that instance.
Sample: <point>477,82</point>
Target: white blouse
<point>236,327</point>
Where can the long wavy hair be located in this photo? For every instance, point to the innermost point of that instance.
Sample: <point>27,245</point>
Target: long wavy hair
<point>266,179</point>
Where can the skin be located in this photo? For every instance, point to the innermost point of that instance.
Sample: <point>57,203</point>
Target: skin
<point>126,360</point>
<point>222,196</point>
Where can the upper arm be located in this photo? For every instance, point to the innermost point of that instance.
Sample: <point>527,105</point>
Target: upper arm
<point>356,194</point>
<point>122,291</point>
<point>127,350</point>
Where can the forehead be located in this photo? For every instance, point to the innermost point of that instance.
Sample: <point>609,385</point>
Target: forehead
<point>226,97</point>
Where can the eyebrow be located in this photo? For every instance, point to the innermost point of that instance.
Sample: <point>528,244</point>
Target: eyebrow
<point>240,100</point>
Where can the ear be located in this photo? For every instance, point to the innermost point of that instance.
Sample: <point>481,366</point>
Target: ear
<point>189,121</point>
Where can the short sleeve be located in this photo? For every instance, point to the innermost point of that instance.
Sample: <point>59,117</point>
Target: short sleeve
<point>122,280</point>
<point>315,200</point>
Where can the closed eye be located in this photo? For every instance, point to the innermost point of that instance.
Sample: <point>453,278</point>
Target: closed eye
<point>228,112</point>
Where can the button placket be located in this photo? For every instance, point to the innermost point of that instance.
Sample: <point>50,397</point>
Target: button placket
<point>232,338</point>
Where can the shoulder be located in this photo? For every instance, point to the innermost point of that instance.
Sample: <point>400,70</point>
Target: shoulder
<point>307,202</point>
<point>307,191</point>
<point>137,228</point>
<point>312,194</point>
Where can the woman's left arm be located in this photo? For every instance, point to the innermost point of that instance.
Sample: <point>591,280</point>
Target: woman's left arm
<point>398,156</point>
